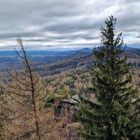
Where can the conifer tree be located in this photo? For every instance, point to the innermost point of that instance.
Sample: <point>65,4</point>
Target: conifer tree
<point>114,115</point>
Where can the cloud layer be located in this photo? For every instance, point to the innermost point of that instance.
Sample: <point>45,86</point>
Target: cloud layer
<point>53,24</point>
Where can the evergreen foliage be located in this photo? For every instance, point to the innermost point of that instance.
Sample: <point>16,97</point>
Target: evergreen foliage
<point>115,114</point>
<point>52,96</point>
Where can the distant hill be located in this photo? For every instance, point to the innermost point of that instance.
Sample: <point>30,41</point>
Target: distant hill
<point>56,61</point>
<point>133,52</point>
<point>45,53</point>
<point>84,58</point>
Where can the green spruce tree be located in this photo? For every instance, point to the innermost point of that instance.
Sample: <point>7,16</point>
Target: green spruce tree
<point>114,115</point>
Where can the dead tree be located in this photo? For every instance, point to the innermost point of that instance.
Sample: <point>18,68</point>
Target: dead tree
<point>32,83</point>
<point>24,90</point>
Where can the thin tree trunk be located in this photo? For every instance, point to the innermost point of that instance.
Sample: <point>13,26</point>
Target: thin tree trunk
<point>32,92</point>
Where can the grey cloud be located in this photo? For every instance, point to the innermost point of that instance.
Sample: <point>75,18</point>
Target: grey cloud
<point>39,21</point>
<point>13,35</point>
<point>73,24</point>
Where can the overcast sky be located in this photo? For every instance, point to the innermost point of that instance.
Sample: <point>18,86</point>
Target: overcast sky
<point>53,24</point>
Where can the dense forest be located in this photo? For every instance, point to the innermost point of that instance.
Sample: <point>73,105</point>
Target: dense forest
<point>93,96</point>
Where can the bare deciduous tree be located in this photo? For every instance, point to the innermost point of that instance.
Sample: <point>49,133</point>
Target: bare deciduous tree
<point>24,92</point>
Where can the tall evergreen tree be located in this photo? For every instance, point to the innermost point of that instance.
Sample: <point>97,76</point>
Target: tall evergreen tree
<point>115,113</point>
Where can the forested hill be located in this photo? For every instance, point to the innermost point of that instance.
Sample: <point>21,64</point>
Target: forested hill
<point>57,61</point>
